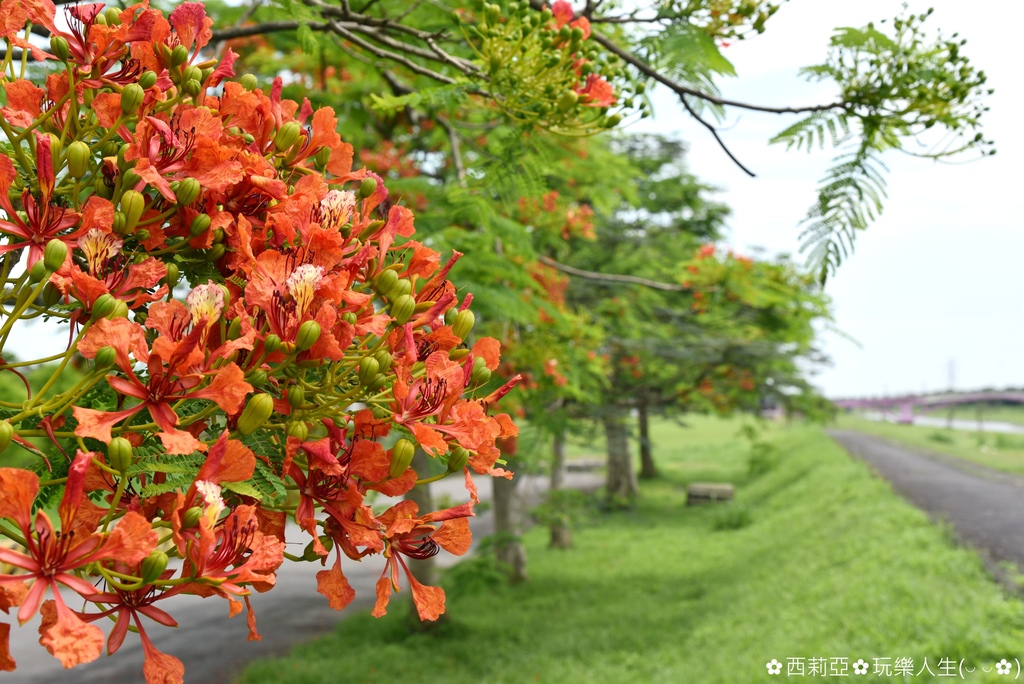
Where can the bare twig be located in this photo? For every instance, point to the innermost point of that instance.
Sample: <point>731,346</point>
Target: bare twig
<point>610,277</point>
<point>453,139</point>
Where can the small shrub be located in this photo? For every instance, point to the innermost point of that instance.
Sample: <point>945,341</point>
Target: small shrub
<point>763,458</point>
<point>940,437</point>
<point>732,516</point>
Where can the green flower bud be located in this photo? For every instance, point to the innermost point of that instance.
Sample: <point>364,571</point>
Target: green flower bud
<point>402,286</point>
<point>271,343</point>
<point>187,192</point>
<point>120,223</point>
<point>368,369</point>
<point>309,333</point>
<point>6,434</point>
<point>173,274</point>
<point>612,121</point>
<point>78,156</point>
<point>234,328</point>
<point>119,454</point>
<point>310,555</point>
<point>257,378</point>
<point>458,354</point>
<point>131,97</point>
<point>384,360</point>
<point>457,459</point>
<point>60,48</point>
<point>287,136</point>
<point>219,235</point>
<point>193,87</point>
<point>179,55</point>
<point>298,430</point>
<point>200,224</point>
<point>401,457</point>
<point>323,156</point>
<point>120,310</point>
<point>192,73</point>
<point>113,16</point>
<point>153,566</point>
<point>481,373</point>
<point>296,396</point>
<point>191,517</point>
<point>577,34</point>
<point>54,254</point>
<point>463,324</point>
<point>132,205</point>
<point>147,80</point>
<point>567,101</point>
<point>492,13</point>
<point>216,253</point>
<point>51,294</point>
<point>377,383</point>
<point>37,272</point>
<point>449,315</point>
<point>385,281</point>
<point>255,414</point>
<point>249,82</point>
<point>105,357</point>
<point>402,309</point>
<point>103,307</point>
<point>367,187</point>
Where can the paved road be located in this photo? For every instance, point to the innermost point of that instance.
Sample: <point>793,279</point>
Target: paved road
<point>985,507</point>
<point>213,647</point>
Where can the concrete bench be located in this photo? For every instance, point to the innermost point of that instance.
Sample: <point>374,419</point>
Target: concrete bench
<point>707,492</point>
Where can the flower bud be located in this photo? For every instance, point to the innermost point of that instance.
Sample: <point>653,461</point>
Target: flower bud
<point>257,378</point>
<point>191,517</point>
<point>367,187</point>
<point>113,16</point>
<point>308,334</point>
<point>219,235</point>
<point>200,224</point>
<point>192,73</point>
<point>105,357</point>
<point>368,369</point>
<point>449,316</point>
<point>153,566</point>
<point>179,55</point>
<point>119,454</point>
<point>401,457</point>
<point>492,13</point>
<point>384,360</point>
<point>402,309</point>
<point>481,373</point>
<point>287,136</point>
<point>612,121</point>
<point>132,205</point>
<point>463,324</point>
<point>78,156</point>
<point>103,306</point>
<point>147,80</point>
<point>255,414</point>
<point>371,228</point>
<point>385,281</point>
<point>120,226</point>
<point>173,274</point>
<point>216,253</point>
<point>51,294</point>
<point>310,555</point>
<point>6,434</point>
<point>323,156</point>
<point>129,179</point>
<point>457,459</point>
<point>377,383</point>
<point>37,272</point>
<point>349,318</point>
<point>131,97</point>
<point>193,87</point>
<point>249,82</point>
<point>271,343</point>
<point>403,286</point>
<point>577,34</point>
<point>120,310</point>
<point>60,48</point>
<point>296,396</point>
<point>298,430</point>
<point>187,192</point>
<point>54,254</point>
<point>567,101</point>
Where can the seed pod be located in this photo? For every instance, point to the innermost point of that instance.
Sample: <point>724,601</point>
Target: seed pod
<point>249,82</point>
<point>255,414</point>
<point>298,430</point>
<point>103,306</point>
<point>271,343</point>
<point>187,192</point>
<point>463,324</point>
<point>132,205</point>
<point>401,457</point>
<point>35,274</point>
<point>296,396</point>
<point>309,333</point>
<point>384,361</point>
<point>200,224</point>
<point>193,87</point>
<point>173,274</point>
<point>402,309</point>
<point>153,566</point>
<point>78,156</point>
<point>368,369</point>
<point>51,294</point>
<point>105,357</point>
<point>216,253</point>
<point>147,80</point>
<point>6,434</point>
<point>567,101</point>
<point>385,281</point>
<point>54,254</point>
<point>257,378</point>
<point>131,97</point>
<point>481,373</point>
<point>60,48</point>
<point>119,454</point>
<point>367,187</point>
<point>179,55</point>
<point>377,383</point>
<point>403,286</point>
<point>191,517</point>
<point>287,136</point>
<point>458,459</point>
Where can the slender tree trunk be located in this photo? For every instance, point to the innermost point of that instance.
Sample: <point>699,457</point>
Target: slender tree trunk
<point>561,534</point>
<point>647,469</point>
<point>425,571</point>
<point>508,528</point>
<point>622,487</point>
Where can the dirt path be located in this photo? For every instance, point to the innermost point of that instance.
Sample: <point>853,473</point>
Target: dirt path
<point>985,507</point>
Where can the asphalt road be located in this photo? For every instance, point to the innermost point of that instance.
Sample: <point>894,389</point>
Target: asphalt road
<point>985,507</point>
<point>215,648</point>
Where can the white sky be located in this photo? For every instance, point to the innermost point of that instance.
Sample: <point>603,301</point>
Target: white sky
<point>936,279</point>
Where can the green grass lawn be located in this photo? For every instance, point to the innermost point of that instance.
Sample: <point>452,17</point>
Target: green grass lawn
<point>997,451</point>
<point>816,558</point>
<point>1007,413</point>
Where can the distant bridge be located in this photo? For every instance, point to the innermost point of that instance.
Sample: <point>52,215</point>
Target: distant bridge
<point>907,403</point>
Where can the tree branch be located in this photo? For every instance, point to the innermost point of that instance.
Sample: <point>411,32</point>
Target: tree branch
<point>610,277</point>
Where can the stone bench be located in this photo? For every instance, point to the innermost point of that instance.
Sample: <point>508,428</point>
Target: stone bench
<point>707,492</point>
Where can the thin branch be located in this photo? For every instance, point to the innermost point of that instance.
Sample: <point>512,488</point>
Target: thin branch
<point>384,54</point>
<point>611,278</point>
<point>453,139</point>
<point>714,132</point>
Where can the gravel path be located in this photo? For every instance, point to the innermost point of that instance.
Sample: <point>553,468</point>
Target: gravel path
<point>215,648</point>
<point>985,507</point>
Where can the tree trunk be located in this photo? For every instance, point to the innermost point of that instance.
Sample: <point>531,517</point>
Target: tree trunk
<point>508,528</point>
<point>622,487</point>
<point>561,534</point>
<point>647,469</point>
<point>425,571</point>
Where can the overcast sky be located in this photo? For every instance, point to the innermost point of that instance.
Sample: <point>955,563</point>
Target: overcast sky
<point>937,278</point>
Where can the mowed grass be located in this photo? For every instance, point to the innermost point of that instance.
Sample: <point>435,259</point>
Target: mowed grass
<point>816,558</point>
<point>998,451</point>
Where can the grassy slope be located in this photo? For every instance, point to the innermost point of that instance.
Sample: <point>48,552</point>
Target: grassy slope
<point>997,451</point>
<point>832,564</point>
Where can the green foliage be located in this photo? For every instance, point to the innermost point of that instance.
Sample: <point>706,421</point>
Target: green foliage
<point>731,516</point>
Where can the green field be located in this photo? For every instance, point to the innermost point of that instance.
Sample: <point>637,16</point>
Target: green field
<point>1003,452</point>
<point>1012,413</point>
<point>816,558</point>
